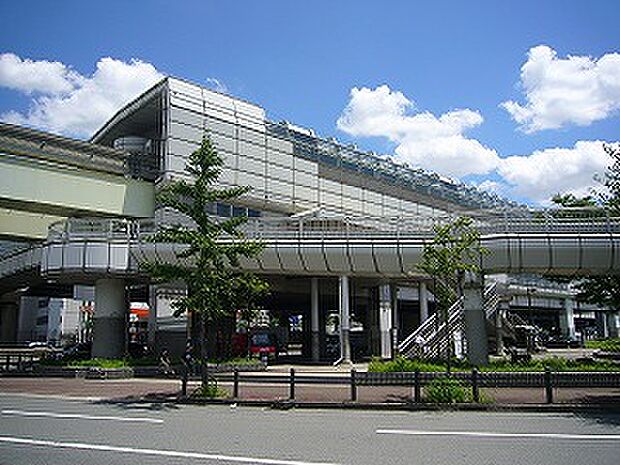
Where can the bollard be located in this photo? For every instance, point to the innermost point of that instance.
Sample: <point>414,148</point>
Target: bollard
<point>474,385</point>
<point>184,376</point>
<point>353,386</point>
<point>417,394</point>
<point>291,395</point>
<point>548,386</point>
<point>236,383</point>
<point>19,362</point>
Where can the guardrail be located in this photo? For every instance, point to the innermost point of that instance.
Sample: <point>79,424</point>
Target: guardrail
<point>349,227</point>
<point>19,361</point>
<point>547,380</point>
<point>430,338</point>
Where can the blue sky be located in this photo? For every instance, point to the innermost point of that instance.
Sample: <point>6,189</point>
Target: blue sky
<point>300,61</point>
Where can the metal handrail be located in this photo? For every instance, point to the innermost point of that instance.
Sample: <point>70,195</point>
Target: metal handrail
<point>490,300</point>
<point>342,227</point>
<point>429,330</point>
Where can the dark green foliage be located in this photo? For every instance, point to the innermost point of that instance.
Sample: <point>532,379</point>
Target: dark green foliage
<point>447,391</point>
<point>215,285</point>
<point>210,390</point>
<point>569,200</point>
<point>603,291</point>
<point>402,364</point>
<point>606,345</point>
<point>99,363</point>
<point>454,251</point>
<point>209,262</point>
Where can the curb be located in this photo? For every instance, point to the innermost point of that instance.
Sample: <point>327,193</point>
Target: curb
<point>286,404</point>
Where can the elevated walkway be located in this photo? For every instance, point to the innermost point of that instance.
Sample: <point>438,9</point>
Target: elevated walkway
<point>46,178</point>
<point>109,247</point>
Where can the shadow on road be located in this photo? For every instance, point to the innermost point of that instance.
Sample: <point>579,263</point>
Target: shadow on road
<point>148,402</point>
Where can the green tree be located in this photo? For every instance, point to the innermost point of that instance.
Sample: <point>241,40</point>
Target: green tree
<point>208,263</point>
<point>603,291</point>
<point>454,251</point>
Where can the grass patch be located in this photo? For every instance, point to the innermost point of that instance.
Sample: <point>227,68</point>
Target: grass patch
<point>606,345</point>
<point>447,391</point>
<point>237,362</point>
<point>554,363</point>
<point>403,364</point>
<point>99,363</point>
<point>210,391</point>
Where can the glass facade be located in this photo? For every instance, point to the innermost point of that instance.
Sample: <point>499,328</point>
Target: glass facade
<point>291,170</point>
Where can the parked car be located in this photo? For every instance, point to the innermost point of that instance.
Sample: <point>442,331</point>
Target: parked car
<point>38,344</point>
<point>79,351</point>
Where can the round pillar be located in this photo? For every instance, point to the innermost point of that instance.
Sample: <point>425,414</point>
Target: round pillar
<point>110,319</point>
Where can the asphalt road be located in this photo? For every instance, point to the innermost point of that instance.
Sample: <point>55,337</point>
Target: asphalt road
<point>47,430</point>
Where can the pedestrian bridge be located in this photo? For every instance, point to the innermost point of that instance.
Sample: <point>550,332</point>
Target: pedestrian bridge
<point>88,249</point>
<point>45,178</point>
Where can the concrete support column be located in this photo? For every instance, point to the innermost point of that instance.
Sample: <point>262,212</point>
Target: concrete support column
<point>9,312</point>
<point>423,302</point>
<point>314,319</point>
<point>110,319</point>
<point>567,319</point>
<point>612,325</point>
<point>500,315</point>
<point>601,325</point>
<point>345,318</point>
<point>475,326</point>
<point>152,323</point>
<point>385,320</point>
<point>395,319</point>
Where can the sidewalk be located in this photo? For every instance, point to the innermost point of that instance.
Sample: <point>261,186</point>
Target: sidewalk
<point>138,388</point>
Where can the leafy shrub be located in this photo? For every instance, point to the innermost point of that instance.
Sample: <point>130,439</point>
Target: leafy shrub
<point>210,391</point>
<point>606,345</point>
<point>403,364</point>
<point>99,363</point>
<point>447,391</point>
<point>554,363</point>
<point>237,362</point>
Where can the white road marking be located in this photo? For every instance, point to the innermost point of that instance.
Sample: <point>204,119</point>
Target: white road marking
<point>154,452</point>
<point>481,434</point>
<point>80,416</point>
<point>52,396</point>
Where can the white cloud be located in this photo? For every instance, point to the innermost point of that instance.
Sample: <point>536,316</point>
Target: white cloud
<point>439,144</point>
<point>562,91</point>
<point>50,77</point>
<point>66,102</point>
<point>424,140</point>
<point>547,172</point>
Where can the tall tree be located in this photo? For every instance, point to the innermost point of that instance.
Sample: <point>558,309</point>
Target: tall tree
<point>208,263</point>
<point>603,291</point>
<point>454,251</point>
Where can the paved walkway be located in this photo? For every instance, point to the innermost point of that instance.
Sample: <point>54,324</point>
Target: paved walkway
<point>118,389</point>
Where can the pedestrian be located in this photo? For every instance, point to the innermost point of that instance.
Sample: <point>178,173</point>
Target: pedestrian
<point>188,357</point>
<point>165,364</point>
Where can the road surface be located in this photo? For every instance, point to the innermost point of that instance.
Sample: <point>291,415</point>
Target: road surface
<point>55,430</point>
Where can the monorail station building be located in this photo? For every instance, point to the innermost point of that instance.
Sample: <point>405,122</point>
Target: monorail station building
<point>343,231</point>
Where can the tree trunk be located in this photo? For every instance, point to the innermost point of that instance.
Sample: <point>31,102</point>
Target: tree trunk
<point>204,372</point>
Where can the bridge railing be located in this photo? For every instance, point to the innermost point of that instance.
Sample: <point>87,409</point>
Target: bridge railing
<point>350,227</point>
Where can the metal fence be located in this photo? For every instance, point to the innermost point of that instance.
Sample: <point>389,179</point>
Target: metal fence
<point>547,380</point>
<point>348,227</point>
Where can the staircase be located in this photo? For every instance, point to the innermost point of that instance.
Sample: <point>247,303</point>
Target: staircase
<point>431,338</point>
